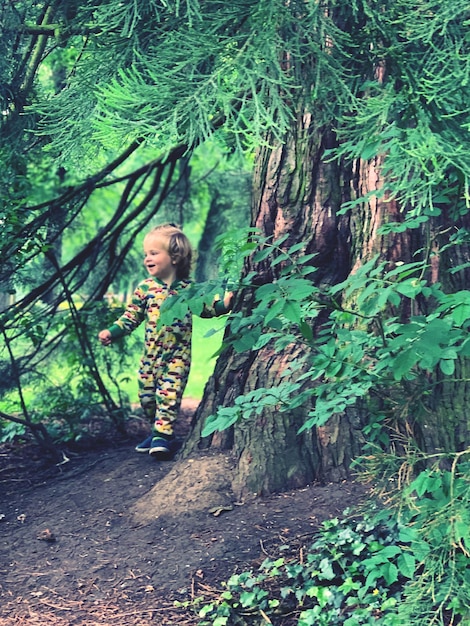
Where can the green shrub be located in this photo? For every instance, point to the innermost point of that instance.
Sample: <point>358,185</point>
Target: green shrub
<point>407,563</point>
<point>434,504</point>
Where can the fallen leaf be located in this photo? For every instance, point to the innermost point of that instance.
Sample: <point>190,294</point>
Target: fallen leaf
<point>217,510</point>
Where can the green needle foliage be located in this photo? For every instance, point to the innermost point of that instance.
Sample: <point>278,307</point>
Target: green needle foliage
<point>391,79</point>
<point>173,73</point>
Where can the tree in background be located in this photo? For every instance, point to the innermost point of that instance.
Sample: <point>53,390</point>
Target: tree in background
<point>68,227</point>
<point>358,115</point>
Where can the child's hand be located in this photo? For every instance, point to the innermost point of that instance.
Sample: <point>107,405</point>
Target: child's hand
<point>228,299</point>
<point>105,337</point>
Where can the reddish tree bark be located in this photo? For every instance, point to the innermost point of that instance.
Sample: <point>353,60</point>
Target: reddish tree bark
<point>298,192</point>
<point>295,192</point>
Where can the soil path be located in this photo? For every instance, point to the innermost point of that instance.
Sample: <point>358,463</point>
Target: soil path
<point>88,543</point>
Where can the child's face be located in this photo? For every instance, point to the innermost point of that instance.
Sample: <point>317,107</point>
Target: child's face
<point>157,259</point>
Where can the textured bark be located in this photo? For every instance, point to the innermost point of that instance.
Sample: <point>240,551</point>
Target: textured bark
<point>445,425</point>
<point>445,422</point>
<point>297,192</point>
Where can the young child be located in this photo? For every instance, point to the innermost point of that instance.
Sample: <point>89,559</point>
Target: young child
<point>164,367</point>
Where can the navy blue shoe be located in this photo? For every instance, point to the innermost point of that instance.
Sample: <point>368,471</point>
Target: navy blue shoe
<point>162,447</point>
<point>144,446</point>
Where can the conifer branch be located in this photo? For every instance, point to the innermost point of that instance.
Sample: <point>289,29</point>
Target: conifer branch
<point>38,51</point>
<point>58,30</point>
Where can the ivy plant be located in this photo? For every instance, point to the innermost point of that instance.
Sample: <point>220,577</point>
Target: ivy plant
<point>353,573</point>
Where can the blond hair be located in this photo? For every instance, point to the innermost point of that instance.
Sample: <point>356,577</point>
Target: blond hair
<point>179,247</point>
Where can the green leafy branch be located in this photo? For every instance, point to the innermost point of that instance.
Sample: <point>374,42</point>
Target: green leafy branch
<point>364,350</point>
<point>430,494</point>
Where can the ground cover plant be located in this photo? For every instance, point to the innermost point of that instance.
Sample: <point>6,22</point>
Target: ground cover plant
<point>353,573</point>
<point>407,562</point>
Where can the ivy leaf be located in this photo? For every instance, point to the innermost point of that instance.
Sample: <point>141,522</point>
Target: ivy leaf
<point>406,563</point>
<point>447,366</point>
<point>390,573</point>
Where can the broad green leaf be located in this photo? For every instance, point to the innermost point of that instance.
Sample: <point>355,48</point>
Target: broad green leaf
<point>406,563</point>
<point>262,254</point>
<point>297,247</point>
<point>275,310</point>
<point>264,339</point>
<point>390,572</point>
<point>266,291</point>
<point>465,349</point>
<point>280,258</point>
<point>220,421</point>
<point>461,314</point>
<point>390,551</point>
<point>292,312</point>
<point>389,603</point>
<point>403,270</point>
<point>461,530</point>
<point>409,288</point>
<point>447,366</point>
<point>306,330</point>
<point>403,363</point>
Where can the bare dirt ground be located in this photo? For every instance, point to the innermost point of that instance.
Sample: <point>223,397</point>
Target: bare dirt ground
<point>90,542</point>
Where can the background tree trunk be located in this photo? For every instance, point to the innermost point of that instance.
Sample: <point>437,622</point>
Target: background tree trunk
<point>445,422</point>
<point>229,209</point>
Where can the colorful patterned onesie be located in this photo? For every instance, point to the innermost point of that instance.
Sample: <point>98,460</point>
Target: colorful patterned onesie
<point>164,367</point>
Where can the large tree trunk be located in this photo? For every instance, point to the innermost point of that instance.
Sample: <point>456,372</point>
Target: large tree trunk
<point>297,192</point>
